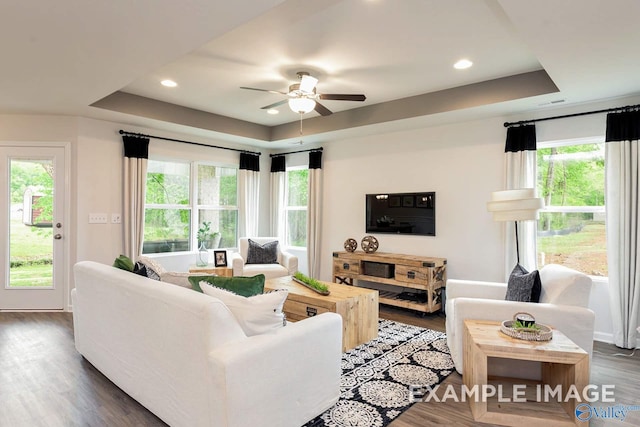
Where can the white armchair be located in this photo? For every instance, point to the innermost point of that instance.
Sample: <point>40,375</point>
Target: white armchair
<point>287,263</point>
<point>563,306</point>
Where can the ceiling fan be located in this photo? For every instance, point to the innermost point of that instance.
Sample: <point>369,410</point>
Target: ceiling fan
<point>302,97</point>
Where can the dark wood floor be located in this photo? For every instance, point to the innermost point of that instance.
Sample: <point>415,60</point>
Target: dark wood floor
<point>45,382</point>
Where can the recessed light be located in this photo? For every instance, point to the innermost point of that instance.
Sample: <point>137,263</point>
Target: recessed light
<point>462,64</point>
<point>272,111</point>
<point>168,83</point>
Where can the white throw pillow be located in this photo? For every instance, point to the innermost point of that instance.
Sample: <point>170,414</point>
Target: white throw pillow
<point>258,314</point>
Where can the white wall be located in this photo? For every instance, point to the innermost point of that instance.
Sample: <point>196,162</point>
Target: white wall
<point>462,163</point>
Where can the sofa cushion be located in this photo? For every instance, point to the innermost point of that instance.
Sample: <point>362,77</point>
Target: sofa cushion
<point>523,286</point>
<point>240,285</point>
<point>564,286</point>
<point>270,271</point>
<point>257,314</point>
<point>262,254</point>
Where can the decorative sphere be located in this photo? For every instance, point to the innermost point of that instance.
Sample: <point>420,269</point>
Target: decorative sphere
<point>350,245</point>
<point>369,244</point>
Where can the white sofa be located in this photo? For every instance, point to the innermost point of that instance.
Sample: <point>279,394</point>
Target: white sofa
<point>563,305</point>
<point>183,355</point>
<point>287,263</point>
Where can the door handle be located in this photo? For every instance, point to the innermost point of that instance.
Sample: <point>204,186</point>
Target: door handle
<point>57,236</point>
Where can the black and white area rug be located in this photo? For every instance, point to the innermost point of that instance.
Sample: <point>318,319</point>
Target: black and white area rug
<point>376,376</point>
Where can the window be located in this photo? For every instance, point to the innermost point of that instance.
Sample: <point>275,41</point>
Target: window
<point>571,228</point>
<point>180,194</point>
<point>296,207</point>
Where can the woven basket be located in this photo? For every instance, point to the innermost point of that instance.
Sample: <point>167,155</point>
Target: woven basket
<point>543,334</point>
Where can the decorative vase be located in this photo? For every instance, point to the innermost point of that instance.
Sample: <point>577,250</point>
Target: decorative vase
<point>202,259</point>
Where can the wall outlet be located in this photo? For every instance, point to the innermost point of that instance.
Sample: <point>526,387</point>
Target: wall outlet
<point>116,218</point>
<point>97,218</point>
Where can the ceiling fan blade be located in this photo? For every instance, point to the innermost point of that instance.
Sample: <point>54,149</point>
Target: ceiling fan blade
<point>264,90</point>
<point>275,104</point>
<point>341,97</point>
<point>322,110</point>
<point>307,83</point>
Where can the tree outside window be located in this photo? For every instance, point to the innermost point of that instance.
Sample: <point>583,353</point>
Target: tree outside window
<point>571,228</point>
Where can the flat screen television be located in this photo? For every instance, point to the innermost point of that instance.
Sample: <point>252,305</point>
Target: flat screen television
<point>401,213</point>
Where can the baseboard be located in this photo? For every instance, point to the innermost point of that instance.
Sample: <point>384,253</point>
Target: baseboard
<point>603,337</point>
<point>608,338</point>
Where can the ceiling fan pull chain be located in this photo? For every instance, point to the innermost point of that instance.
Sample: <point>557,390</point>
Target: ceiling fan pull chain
<point>300,128</point>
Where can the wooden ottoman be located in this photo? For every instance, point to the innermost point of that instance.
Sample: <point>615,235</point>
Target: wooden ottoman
<point>357,306</point>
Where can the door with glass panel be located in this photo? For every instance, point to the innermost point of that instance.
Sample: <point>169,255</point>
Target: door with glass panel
<point>32,228</point>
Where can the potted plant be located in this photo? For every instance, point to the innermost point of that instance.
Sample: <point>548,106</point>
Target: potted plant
<point>203,254</point>
<point>211,240</point>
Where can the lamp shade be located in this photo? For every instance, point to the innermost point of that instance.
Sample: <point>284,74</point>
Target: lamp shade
<point>302,104</point>
<point>515,205</point>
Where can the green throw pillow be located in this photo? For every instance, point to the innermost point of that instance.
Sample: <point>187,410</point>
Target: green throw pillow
<point>123,262</point>
<point>245,286</point>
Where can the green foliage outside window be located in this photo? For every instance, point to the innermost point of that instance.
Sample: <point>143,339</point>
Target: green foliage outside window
<point>297,196</point>
<point>572,230</point>
<point>169,206</point>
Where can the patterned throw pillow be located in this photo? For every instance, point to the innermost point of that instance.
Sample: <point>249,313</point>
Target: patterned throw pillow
<point>154,269</point>
<point>523,286</point>
<point>262,254</point>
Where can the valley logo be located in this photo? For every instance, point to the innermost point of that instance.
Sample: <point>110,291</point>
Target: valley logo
<point>584,411</point>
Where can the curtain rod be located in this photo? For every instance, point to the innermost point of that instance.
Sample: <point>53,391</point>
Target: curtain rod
<point>142,135</point>
<point>294,152</point>
<point>608,110</point>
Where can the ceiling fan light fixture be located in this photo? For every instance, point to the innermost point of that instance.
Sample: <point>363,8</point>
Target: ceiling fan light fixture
<point>302,105</point>
<point>308,83</point>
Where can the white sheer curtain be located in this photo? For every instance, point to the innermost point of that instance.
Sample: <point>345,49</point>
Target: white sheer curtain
<point>136,155</point>
<point>520,172</point>
<point>623,205</point>
<point>314,214</point>
<point>249,194</point>
<point>278,182</point>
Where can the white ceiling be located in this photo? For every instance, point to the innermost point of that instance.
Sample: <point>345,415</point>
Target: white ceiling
<point>62,57</point>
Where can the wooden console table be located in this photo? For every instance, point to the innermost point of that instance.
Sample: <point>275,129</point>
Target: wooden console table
<point>563,363</point>
<point>425,276</point>
<point>357,306</point>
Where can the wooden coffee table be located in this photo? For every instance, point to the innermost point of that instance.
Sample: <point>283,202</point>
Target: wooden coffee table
<point>357,306</point>
<point>563,363</point>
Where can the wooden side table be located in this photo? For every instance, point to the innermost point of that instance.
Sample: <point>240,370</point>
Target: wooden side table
<point>357,306</point>
<point>563,363</point>
<point>210,269</point>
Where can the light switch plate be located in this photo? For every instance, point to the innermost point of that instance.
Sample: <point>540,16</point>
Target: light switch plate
<point>97,218</point>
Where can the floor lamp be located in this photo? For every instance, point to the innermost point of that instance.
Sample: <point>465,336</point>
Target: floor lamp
<point>515,205</point>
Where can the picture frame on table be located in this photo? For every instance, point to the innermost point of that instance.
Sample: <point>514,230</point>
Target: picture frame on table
<point>220,258</point>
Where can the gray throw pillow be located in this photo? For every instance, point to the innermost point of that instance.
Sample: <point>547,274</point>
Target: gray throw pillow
<point>523,286</point>
<point>262,254</point>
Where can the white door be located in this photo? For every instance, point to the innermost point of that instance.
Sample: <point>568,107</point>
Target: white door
<point>32,228</point>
